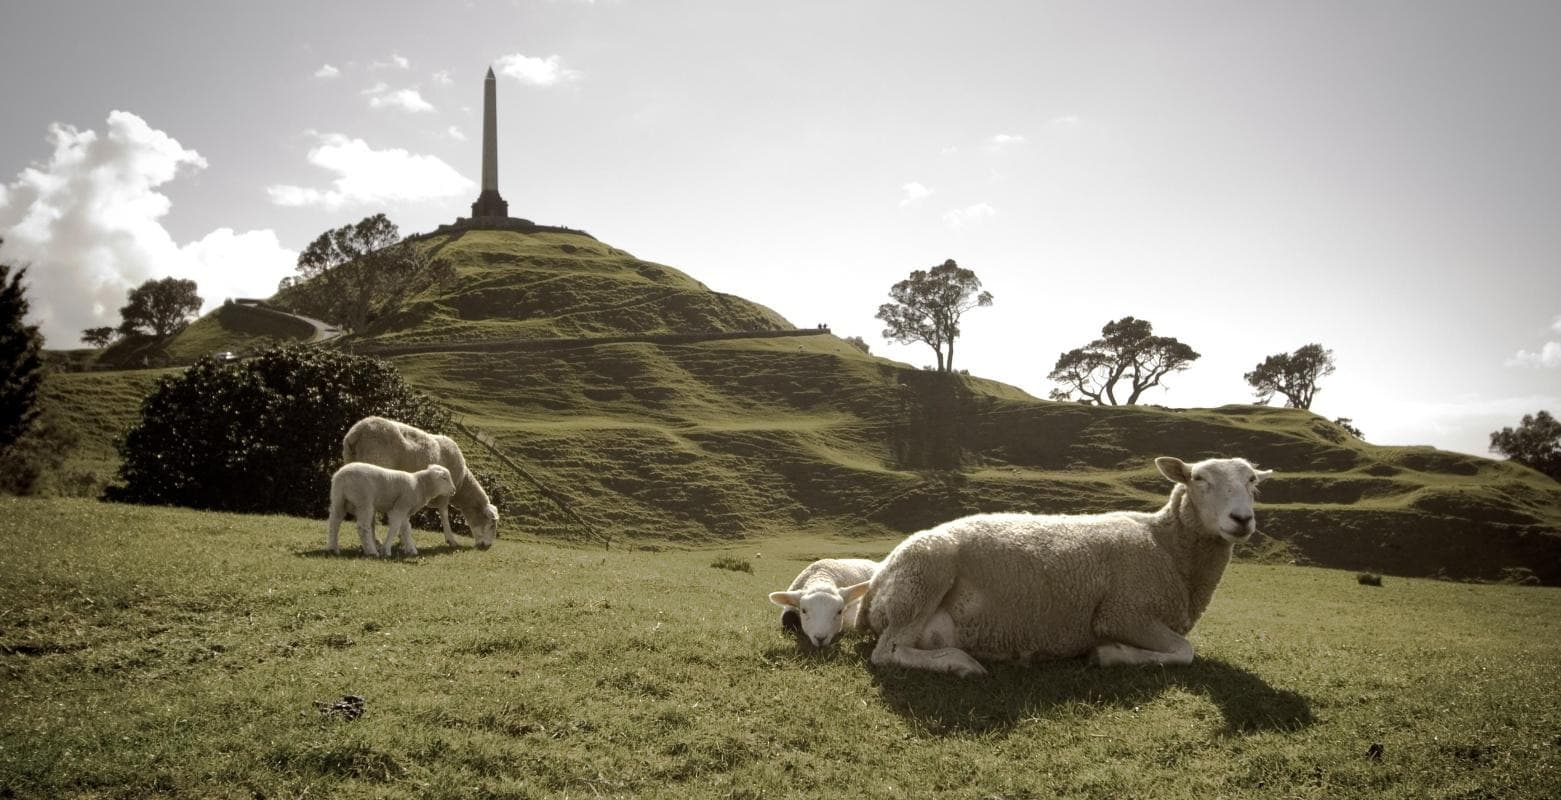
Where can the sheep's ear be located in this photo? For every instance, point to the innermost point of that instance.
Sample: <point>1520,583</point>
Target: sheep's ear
<point>1174,469</point>
<point>785,599</point>
<point>854,592</point>
<point>1262,474</point>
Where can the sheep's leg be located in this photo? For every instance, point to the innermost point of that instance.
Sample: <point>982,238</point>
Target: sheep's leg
<point>908,613</point>
<point>1149,642</point>
<point>443,504</point>
<point>332,527</point>
<point>401,523</point>
<point>366,533</point>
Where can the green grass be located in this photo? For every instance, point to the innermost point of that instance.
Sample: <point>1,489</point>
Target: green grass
<point>167,652</point>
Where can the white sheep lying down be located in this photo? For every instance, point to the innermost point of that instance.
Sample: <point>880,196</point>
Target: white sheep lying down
<point>825,598</point>
<point>1123,587</point>
<point>364,489</point>
<point>396,445</point>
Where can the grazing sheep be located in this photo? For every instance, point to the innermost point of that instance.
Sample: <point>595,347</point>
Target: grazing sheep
<point>825,598</point>
<point>376,440</point>
<point>1123,587</point>
<point>364,489</point>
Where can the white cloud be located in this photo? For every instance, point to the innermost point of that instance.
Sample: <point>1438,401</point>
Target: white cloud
<point>442,78</point>
<point>960,217</point>
<point>327,71</point>
<point>1549,355</point>
<point>367,176</point>
<point>535,71</point>
<point>396,60</point>
<point>914,193</point>
<point>382,96</point>
<point>455,133</point>
<point>1004,140</point>
<point>1069,121</point>
<point>88,221</point>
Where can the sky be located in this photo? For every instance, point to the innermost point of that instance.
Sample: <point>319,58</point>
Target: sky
<point>1382,178</point>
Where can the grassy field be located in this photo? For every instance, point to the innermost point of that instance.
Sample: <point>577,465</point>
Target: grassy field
<point>157,652</point>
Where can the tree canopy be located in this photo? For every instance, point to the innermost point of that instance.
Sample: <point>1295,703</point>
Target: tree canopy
<point>21,359</point>
<point>1536,443</point>
<point>161,307</point>
<point>262,435</point>
<point>1293,375</point>
<point>928,305</point>
<point>344,271</point>
<point>1126,350</point>
<point>98,337</point>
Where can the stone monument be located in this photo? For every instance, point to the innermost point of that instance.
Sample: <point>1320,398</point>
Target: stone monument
<point>489,204</point>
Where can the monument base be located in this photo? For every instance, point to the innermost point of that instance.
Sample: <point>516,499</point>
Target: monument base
<point>490,204</point>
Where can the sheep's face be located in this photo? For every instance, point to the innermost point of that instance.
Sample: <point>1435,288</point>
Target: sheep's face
<point>822,611</point>
<point>1222,491</point>
<point>485,526</point>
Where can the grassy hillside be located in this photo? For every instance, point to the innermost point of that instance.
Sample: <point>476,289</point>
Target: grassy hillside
<point>168,652</point>
<point>582,382</point>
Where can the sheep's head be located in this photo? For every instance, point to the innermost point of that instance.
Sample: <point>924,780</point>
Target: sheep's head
<point>822,609</point>
<point>441,481</point>
<point>484,525</point>
<point>1221,491</point>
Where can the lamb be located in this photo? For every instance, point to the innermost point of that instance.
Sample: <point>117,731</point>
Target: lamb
<point>825,598</point>
<point>365,489</point>
<point>1122,588</point>
<point>376,440</point>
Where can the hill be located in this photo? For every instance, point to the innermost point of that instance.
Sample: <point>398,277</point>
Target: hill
<point>656,410</point>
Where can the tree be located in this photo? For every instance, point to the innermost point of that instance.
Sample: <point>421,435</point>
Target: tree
<point>163,307</point>
<point>98,337</point>
<point>1127,349</point>
<point>349,267</point>
<point>21,359</point>
<point>1293,375</point>
<point>859,343</point>
<point>928,306</point>
<point>261,435</point>
<point>1349,427</point>
<point>1536,442</point>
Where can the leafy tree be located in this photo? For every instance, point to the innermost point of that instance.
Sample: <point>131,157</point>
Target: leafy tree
<point>1293,375</point>
<point>1536,442</point>
<point>163,307</point>
<point>859,343</point>
<point>98,337</point>
<point>21,360</point>
<point>928,305</point>
<point>348,268</point>
<point>261,435</point>
<point>1349,427</point>
<point>1127,349</point>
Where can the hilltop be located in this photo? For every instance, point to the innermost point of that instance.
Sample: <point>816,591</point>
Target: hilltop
<point>659,411</point>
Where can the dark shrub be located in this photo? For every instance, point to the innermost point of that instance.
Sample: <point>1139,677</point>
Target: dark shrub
<point>261,435</point>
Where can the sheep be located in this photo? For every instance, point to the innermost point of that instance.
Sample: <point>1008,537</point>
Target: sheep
<point>825,598</point>
<point>376,440</point>
<point>364,489</point>
<point>1122,588</point>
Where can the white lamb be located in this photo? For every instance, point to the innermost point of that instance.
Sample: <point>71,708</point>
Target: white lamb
<point>364,489</point>
<point>376,440</point>
<point>1123,587</point>
<point>825,598</point>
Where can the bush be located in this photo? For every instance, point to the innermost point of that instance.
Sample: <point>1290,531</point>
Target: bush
<point>261,435</point>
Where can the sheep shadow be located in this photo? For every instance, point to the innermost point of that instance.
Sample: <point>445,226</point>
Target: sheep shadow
<point>942,704</point>
<point>353,551</point>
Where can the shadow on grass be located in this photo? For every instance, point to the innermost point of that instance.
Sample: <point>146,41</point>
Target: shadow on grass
<point>1017,692</point>
<point>355,551</point>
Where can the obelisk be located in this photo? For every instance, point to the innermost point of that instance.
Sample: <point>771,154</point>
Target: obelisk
<point>489,204</point>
